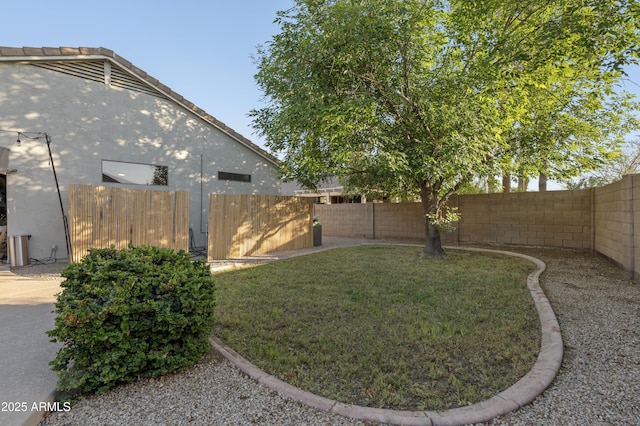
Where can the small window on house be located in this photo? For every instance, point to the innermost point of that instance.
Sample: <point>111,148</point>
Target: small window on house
<point>234,176</point>
<point>134,173</point>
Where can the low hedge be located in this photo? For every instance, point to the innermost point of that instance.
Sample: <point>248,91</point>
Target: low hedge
<point>125,314</point>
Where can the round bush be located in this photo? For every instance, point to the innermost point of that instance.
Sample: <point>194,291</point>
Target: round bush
<point>125,314</point>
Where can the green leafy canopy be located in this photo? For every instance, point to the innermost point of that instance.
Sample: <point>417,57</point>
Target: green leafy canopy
<point>422,96</point>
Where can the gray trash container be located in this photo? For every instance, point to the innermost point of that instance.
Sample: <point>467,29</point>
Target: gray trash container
<point>317,235</point>
<point>18,250</point>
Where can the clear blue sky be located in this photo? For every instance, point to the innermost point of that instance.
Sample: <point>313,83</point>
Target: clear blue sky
<point>201,49</point>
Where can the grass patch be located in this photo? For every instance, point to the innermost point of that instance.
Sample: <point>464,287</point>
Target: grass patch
<point>380,327</point>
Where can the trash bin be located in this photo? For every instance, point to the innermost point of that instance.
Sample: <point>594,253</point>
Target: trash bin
<point>317,235</point>
<point>18,250</point>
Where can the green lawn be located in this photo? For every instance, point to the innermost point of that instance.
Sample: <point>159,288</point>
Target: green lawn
<point>378,326</point>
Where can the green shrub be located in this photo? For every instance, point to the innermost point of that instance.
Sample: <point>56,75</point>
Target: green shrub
<point>124,314</point>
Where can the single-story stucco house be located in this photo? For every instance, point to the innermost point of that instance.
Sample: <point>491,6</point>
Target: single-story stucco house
<point>108,123</point>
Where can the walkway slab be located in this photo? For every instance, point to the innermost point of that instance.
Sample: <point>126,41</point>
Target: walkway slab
<point>26,313</point>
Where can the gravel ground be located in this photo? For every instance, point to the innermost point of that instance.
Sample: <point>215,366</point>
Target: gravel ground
<point>599,315</point>
<point>598,383</point>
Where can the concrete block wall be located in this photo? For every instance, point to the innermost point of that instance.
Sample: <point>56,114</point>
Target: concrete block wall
<point>603,219</point>
<point>555,219</point>
<point>549,219</point>
<point>614,220</point>
<point>346,220</point>
<point>635,206</point>
<point>403,221</point>
<point>399,220</point>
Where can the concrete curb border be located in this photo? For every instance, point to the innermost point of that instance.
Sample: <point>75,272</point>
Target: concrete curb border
<point>36,417</point>
<point>518,395</point>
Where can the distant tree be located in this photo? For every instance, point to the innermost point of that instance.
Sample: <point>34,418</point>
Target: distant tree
<point>626,163</point>
<point>569,127</point>
<point>160,175</point>
<point>420,96</point>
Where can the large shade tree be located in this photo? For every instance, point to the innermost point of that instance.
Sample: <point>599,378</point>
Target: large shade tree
<point>421,96</point>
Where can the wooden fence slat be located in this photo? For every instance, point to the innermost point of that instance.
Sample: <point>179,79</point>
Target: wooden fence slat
<point>81,230</point>
<point>245,225</point>
<point>181,233</point>
<point>103,216</point>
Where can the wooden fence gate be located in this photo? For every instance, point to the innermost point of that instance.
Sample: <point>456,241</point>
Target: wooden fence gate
<point>245,225</point>
<point>102,216</point>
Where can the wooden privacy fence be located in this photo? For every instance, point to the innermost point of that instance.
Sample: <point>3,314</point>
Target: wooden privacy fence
<point>245,225</point>
<point>103,216</point>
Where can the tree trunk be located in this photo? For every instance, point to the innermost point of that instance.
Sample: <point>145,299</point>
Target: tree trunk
<point>522,184</point>
<point>542,182</point>
<point>433,244</point>
<point>506,182</point>
<point>492,184</point>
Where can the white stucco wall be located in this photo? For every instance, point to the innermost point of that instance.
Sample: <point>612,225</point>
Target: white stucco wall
<point>89,122</point>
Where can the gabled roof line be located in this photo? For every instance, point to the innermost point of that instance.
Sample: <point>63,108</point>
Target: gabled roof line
<point>18,54</point>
